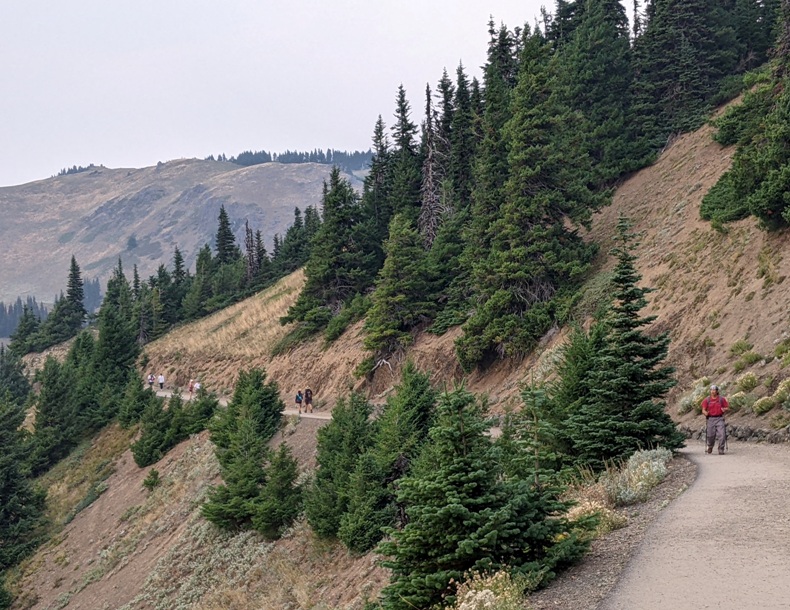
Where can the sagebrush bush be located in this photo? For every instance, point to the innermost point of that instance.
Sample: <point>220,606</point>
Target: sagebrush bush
<point>498,591</point>
<point>633,481</point>
<point>747,382</point>
<point>607,519</point>
<point>691,401</point>
<point>782,392</point>
<point>747,359</point>
<point>741,400</point>
<point>740,347</point>
<point>763,405</point>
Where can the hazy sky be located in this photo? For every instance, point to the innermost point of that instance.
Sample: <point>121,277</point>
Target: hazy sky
<point>127,84</point>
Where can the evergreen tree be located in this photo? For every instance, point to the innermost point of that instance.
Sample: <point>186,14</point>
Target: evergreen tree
<point>67,316</point>
<point>134,403</point>
<point>491,164</point>
<point>397,440</point>
<point>399,302</point>
<point>117,347</point>
<point>465,516</point>
<point>533,255</point>
<point>342,260</point>
<point>595,77</point>
<point>680,60</point>
<point>55,424</point>
<point>231,504</point>
<point>155,422</point>
<point>625,408</point>
<point>462,143</point>
<point>340,444</point>
<point>13,381</point>
<point>21,504</point>
<point>240,433</point>
<point>24,337</point>
<point>405,179</point>
<point>197,297</point>
<point>376,202</point>
<point>280,498</point>
<point>227,251</point>
<point>444,124</point>
<point>563,22</point>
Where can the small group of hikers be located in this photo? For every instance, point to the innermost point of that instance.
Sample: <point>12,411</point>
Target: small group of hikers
<point>160,379</point>
<point>306,398</point>
<point>194,386</point>
<point>714,408</point>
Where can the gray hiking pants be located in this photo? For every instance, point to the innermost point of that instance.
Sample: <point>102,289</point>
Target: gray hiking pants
<point>715,432</point>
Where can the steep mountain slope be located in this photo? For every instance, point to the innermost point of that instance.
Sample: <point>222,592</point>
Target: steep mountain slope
<point>713,290</point>
<point>140,215</point>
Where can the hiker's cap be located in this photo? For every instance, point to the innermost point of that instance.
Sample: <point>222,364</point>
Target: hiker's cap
<point>714,387</point>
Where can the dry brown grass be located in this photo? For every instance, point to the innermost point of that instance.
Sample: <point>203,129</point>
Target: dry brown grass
<point>215,348</point>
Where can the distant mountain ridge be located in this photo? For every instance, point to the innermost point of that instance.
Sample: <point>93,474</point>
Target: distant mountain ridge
<point>140,215</point>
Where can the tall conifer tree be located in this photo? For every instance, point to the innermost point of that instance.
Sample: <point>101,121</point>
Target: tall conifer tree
<point>628,380</point>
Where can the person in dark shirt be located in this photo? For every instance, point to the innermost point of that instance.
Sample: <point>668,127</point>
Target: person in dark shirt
<point>308,400</point>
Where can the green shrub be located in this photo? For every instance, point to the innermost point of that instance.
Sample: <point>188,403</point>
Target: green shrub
<point>782,349</point>
<point>746,360</point>
<point>740,347</point>
<point>779,421</point>
<point>747,382</point>
<point>782,393</point>
<point>632,482</point>
<point>741,400</point>
<point>152,480</point>
<point>763,405</point>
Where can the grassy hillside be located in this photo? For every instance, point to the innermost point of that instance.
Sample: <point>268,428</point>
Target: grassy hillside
<point>140,215</point>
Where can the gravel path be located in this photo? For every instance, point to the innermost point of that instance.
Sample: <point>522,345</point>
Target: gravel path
<point>723,544</point>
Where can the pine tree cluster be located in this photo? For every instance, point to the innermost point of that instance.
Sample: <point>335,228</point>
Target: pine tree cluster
<point>472,219</point>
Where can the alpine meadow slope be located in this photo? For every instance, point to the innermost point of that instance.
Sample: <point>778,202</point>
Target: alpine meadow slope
<point>140,215</point>
<point>716,292</point>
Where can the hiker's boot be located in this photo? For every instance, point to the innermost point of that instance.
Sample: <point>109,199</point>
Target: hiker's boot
<point>709,450</point>
<point>721,451</point>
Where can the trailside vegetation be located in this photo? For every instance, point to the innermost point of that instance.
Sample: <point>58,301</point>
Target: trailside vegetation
<point>609,399</point>
<point>259,488</point>
<point>759,179</point>
<point>465,515</point>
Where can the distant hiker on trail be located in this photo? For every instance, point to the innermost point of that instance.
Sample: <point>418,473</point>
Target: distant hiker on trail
<point>191,387</point>
<point>161,381</point>
<point>298,400</point>
<point>714,408</point>
<point>308,400</point>
<point>197,387</point>
<point>151,380</point>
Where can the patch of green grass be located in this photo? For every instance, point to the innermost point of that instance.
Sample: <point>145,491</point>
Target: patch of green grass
<point>740,347</point>
<point>746,360</point>
<point>93,494</point>
<point>298,335</point>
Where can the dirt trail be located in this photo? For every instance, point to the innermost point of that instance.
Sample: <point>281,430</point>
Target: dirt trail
<point>224,402</point>
<point>724,544</point>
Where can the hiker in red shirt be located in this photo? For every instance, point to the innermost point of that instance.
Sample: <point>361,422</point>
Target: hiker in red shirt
<point>714,407</point>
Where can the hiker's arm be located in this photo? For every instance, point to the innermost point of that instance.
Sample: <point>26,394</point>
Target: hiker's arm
<point>705,407</point>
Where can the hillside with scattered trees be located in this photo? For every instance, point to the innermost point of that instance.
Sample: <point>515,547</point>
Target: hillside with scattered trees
<point>533,256</point>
